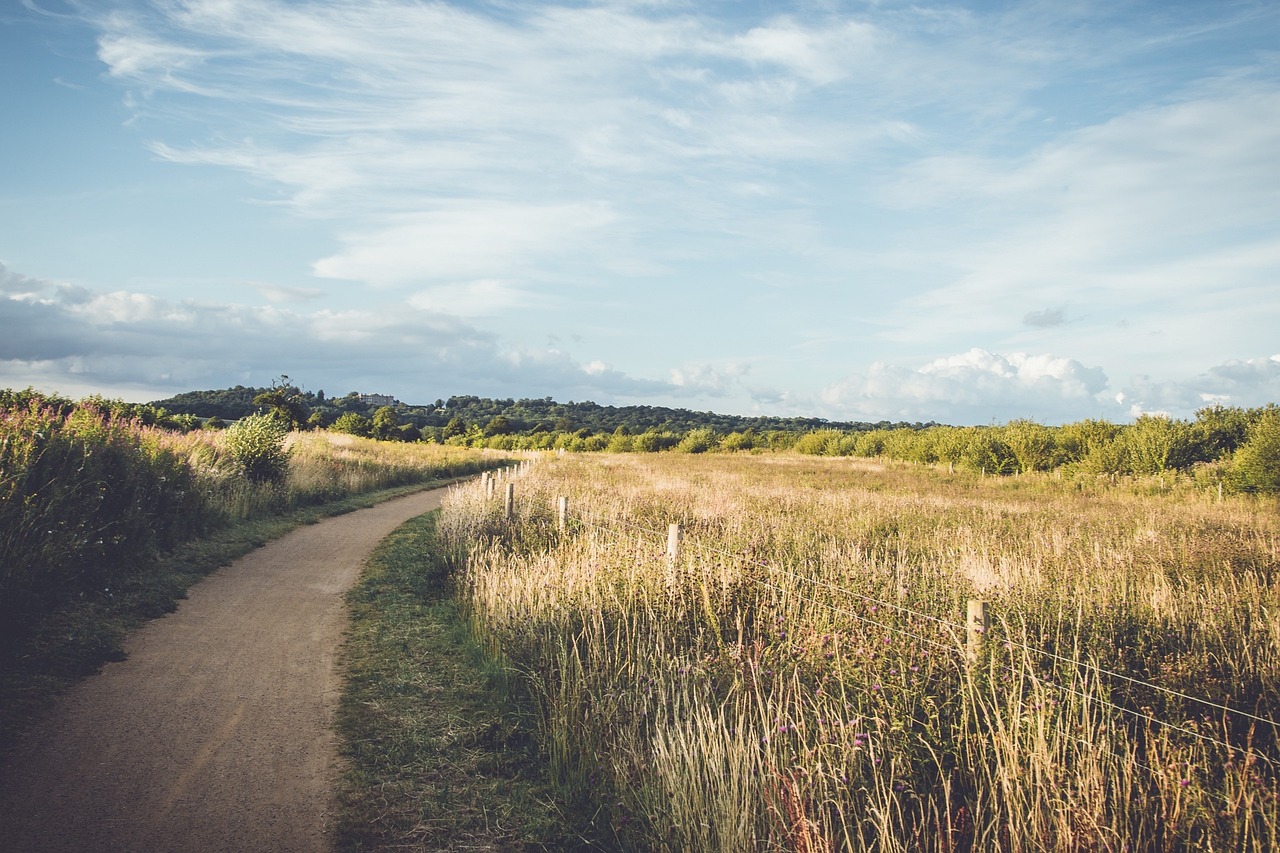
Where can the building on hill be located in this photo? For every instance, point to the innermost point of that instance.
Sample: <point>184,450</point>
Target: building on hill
<point>379,400</point>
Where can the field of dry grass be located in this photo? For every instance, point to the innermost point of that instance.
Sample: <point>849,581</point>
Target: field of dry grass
<point>797,677</point>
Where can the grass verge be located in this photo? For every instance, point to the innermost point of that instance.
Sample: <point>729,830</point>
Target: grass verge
<point>78,638</point>
<point>439,754</point>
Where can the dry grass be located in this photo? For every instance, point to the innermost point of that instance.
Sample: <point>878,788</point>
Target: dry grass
<point>796,680</point>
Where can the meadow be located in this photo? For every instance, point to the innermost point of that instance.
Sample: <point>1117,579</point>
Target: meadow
<point>797,675</point>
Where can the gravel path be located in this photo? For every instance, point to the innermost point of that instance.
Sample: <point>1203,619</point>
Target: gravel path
<point>216,732</point>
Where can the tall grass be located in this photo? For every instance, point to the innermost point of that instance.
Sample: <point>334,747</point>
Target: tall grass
<point>86,496</point>
<point>797,678</point>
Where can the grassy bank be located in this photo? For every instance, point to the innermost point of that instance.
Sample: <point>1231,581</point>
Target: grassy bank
<point>439,755</point>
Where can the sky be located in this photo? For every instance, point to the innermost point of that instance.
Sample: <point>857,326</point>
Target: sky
<point>962,212</point>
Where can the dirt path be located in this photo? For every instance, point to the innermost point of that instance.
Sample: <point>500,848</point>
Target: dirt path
<point>215,733</point>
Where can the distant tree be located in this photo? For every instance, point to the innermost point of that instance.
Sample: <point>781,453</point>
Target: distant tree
<point>284,402</point>
<point>497,425</point>
<point>385,421</point>
<point>1256,465</point>
<point>353,423</point>
<point>697,441</point>
<point>455,427</point>
<point>1154,444</point>
<point>1032,445</point>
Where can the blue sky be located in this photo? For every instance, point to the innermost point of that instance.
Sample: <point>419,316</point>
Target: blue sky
<point>962,212</point>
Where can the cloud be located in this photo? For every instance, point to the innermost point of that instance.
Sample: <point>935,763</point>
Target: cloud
<point>1045,318</point>
<point>69,338</point>
<point>971,387</point>
<point>709,380</point>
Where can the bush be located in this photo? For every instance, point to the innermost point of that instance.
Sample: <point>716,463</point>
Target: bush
<point>256,443</point>
<point>697,441</point>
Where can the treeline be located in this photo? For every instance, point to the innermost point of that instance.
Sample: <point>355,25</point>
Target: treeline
<point>1239,447</point>
<point>459,414</point>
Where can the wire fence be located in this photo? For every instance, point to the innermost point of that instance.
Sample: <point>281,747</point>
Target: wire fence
<point>620,529</point>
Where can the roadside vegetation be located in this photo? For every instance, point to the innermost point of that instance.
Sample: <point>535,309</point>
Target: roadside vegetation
<point>798,677</point>
<point>108,511</point>
<point>440,747</point>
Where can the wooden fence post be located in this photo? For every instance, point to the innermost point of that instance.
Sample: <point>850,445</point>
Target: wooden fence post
<point>511,501</point>
<point>562,511</point>
<point>976,629</point>
<point>673,543</point>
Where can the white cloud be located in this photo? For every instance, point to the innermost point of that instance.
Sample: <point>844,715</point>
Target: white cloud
<point>971,387</point>
<point>710,379</point>
<point>74,340</point>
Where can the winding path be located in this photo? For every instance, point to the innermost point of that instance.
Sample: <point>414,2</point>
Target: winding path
<point>216,732</point>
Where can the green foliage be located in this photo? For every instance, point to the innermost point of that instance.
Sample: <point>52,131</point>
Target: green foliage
<point>81,496</point>
<point>498,425</point>
<point>353,423</point>
<point>384,423</point>
<point>697,441</point>
<point>739,441</point>
<point>256,443</point>
<point>285,404</point>
<point>1154,444</point>
<point>1256,465</point>
<point>1031,444</point>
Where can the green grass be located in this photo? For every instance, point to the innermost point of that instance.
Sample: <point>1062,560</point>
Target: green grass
<point>77,638</point>
<point>439,754</point>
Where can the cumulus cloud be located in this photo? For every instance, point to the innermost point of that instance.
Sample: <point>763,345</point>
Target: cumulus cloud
<point>709,380</point>
<point>971,387</point>
<point>74,340</point>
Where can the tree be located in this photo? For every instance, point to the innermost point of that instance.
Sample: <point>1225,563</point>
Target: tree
<point>455,427</point>
<point>353,423</point>
<point>385,421</point>
<point>284,402</point>
<point>1154,444</point>
<point>497,425</point>
<point>1256,465</point>
<point>1032,445</point>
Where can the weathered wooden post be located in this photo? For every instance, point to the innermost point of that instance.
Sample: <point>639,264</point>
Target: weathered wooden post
<point>674,537</point>
<point>976,629</point>
<point>511,501</point>
<point>562,512</point>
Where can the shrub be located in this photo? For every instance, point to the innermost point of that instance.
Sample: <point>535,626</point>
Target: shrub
<point>256,443</point>
<point>697,441</point>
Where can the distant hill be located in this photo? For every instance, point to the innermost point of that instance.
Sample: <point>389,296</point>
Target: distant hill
<point>521,416</point>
